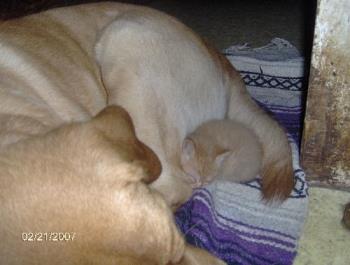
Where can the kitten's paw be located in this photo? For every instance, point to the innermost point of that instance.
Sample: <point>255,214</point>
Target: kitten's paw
<point>181,197</point>
<point>175,190</point>
<point>196,184</point>
<point>278,179</point>
<point>194,181</point>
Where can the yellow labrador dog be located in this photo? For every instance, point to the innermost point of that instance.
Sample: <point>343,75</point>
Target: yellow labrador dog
<point>65,65</point>
<point>79,195</point>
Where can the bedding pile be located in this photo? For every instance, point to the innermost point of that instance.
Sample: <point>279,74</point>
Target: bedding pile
<point>229,219</point>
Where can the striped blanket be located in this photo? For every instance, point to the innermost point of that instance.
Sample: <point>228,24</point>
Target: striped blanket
<point>229,219</point>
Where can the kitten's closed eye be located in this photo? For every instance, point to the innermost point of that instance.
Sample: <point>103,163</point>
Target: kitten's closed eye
<point>200,163</point>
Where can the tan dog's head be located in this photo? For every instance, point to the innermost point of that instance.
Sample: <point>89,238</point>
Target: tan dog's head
<point>115,125</point>
<point>86,178</point>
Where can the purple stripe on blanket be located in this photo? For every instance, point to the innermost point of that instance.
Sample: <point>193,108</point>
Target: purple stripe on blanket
<point>197,221</point>
<point>246,241</point>
<point>203,230</point>
<point>205,195</point>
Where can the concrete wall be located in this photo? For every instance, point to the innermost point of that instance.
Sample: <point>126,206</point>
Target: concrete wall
<point>326,138</point>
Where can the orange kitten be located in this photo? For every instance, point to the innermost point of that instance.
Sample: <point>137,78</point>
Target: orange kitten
<point>221,149</point>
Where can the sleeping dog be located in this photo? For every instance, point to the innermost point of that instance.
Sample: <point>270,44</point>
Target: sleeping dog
<point>58,70</point>
<point>79,195</point>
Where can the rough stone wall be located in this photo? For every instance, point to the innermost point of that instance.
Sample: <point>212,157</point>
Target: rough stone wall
<point>326,138</point>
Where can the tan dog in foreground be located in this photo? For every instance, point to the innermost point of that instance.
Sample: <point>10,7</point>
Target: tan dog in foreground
<point>87,181</point>
<point>66,65</point>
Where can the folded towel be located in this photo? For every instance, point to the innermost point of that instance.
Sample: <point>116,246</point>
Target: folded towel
<point>229,219</point>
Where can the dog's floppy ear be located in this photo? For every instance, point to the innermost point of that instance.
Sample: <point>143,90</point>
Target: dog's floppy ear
<point>115,126</point>
<point>115,122</point>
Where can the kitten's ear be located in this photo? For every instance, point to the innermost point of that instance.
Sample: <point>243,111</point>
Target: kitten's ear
<point>188,149</point>
<point>221,157</point>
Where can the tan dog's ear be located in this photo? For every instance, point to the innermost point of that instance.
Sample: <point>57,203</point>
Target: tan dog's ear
<point>116,127</point>
<point>115,122</point>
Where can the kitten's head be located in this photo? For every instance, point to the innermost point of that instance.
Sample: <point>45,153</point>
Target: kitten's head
<point>202,160</point>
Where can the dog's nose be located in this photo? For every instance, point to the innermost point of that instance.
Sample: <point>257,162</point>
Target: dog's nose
<point>150,162</point>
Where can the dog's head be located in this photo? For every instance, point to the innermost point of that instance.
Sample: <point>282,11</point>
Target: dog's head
<point>115,128</point>
<point>89,178</point>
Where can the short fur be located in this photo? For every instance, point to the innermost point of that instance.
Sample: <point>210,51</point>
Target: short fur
<point>65,65</point>
<point>89,179</point>
<point>68,63</point>
<point>171,82</point>
<point>221,149</point>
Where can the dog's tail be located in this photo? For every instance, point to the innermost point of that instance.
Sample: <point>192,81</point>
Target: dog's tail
<point>277,170</point>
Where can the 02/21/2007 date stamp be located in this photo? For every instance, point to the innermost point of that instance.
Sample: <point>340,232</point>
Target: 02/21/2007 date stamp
<point>48,236</point>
